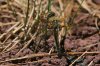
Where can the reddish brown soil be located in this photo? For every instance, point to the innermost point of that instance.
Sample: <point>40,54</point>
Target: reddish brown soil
<point>83,34</point>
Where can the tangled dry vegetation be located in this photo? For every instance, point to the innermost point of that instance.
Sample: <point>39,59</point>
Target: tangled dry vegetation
<point>49,33</point>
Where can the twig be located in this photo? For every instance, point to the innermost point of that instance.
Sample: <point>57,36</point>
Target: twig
<point>47,54</point>
<point>77,59</point>
<point>90,63</point>
<point>26,45</point>
<point>6,24</point>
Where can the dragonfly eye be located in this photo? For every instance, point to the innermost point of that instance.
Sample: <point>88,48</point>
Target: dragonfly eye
<point>51,14</point>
